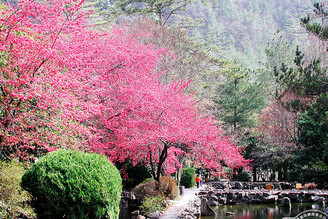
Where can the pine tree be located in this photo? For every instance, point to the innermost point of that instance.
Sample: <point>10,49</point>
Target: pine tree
<point>239,98</point>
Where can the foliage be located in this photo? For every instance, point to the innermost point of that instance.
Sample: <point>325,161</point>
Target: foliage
<point>237,28</point>
<point>95,95</point>
<point>278,74</point>
<point>166,187</point>
<point>318,27</point>
<point>4,209</point>
<point>188,60</point>
<point>163,10</point>
<point>311,159</point>
<point>313,78</point>
<point>74,184</point>
<point>244,176</point>
<point>239,98</point>
<point>35,90</point>
<point>294,88</point>
<point>152,204</point>
<point>146,189</point>
<point>76,87</point>
<point>313,126</point>
<point>292,84</point>
<point>133,175</point>
<point>310,163</point>
<point>14,201</point>
<point>188,177</point>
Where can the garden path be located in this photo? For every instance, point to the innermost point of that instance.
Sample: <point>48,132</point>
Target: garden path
<point>177,206</point>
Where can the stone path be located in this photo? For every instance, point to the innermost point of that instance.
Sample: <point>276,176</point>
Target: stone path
<point>178,206</point>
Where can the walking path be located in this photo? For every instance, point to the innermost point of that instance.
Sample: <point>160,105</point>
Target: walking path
<point>177,206</point>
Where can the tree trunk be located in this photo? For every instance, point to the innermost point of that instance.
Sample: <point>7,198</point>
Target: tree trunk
<point>254,174</point>
<point>161,160</point>
<point>179,170</point>
<point>280,174</point>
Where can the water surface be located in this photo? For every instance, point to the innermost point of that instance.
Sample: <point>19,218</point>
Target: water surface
<point>260,211</point>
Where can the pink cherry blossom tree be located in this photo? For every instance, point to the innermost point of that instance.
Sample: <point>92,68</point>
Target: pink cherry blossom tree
<point>63,84</point>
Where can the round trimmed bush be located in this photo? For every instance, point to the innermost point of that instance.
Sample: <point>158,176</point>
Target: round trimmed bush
<point>188,177</point>
<point>74,184</point>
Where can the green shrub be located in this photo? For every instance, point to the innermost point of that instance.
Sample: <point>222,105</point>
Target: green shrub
<point>135,175</point>
<point>152,204</point>
<point>188,177</point>
<point>74,184</point>
<point>244,176</point>
<point>13,199</point>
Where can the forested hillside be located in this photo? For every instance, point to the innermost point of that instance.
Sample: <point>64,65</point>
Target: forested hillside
<point>238,29</point>
<point>242,28</point>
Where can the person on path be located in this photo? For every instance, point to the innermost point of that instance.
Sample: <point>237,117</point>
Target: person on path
<point>198,180</point>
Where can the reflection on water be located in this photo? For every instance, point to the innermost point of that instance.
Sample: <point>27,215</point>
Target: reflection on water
<point>260,211</point>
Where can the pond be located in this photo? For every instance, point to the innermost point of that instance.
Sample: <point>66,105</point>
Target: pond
<point>260,211</point>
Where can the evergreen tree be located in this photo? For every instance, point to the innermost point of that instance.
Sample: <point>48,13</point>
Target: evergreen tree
<point>239,98</point>
<point>310,163</point>
<point>317,23</point>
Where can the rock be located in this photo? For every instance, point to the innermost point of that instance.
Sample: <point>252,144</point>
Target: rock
<point>192,211</point>
<point>326,211</point>
<point>231,202</point>
<point>319,200</point>
<point>272,199</point>
<point>141,217</point>
<point>222,200</point>
<point>229,213</point>
<point>301,197</point>
<point>135,214</point>
<point>231,198</point>
<point>238,185</point>
<point>197,202</point>
<point>155,215</point>
<point>244,200</point>
<point>213,202</point>
<point>293,196</point>
<point>205,209</point>
<point>246,185</point>
<point>240,195</point>
<point>202,193</point>
<point>277,186</point>
<point>212,199</point>
<point>285,185</point>
<point>266,194</point>
<point>255,201</point>
<point>285,202</point>
<point>259,196</point>
<point>218,185</point>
